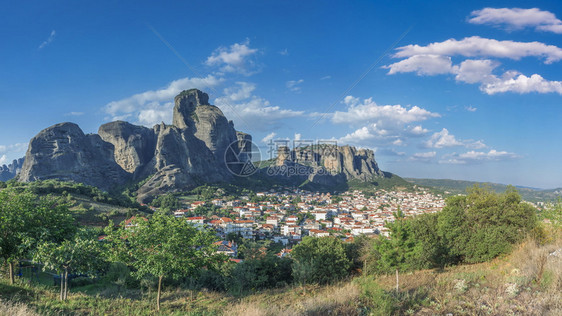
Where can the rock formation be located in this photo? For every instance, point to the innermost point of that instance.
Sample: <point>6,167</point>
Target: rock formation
<point>199,147</point>
<point>173,157</point>
<point>327,164</point>
<point>8,172</point>
<point>64,152</point>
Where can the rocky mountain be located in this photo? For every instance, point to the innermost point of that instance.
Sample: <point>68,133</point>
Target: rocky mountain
<point>201,146</point>
<point>8,172</point>
<point>173,157</point>
<point>327,165</point>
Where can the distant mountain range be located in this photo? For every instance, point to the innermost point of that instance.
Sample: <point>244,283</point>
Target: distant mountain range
<point>449,186</point>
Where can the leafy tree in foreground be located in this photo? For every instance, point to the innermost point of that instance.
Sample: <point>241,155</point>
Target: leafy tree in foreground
<point>163,246</point>
<point>80,254</point>
<point>472,228</point>
<point>483,224</point>
<point>324,259</point>
<point>27,220</point>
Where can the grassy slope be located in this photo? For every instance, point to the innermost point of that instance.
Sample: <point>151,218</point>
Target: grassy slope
<point>527,282</point>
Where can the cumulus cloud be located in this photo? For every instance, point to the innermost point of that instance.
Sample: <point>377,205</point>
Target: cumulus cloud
<point>153,106</point>
<point>294,85</point>
<point>235,58</point>
<point>513,81</point>
<point>418,130</point>
<point>12,151</point>
<point>250,111</point>
<point>475,144</point>
<point>471,108</point>
<point>476,46</point>
<point>422,65</point>
<point>442,139</point>
<point>269,137</point>
<point>384,125</point>
<point>474,157</point>
<point>475,71</point>
<point>17,147</point>
<point>517,18</point>
<point>479,71</point>
<point>368,110</point>
<point>48,40</point>
<point>423,157</point>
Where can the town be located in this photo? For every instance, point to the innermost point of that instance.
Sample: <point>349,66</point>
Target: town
<point>287,215</point>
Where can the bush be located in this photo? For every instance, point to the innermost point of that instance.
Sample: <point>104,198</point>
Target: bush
<point>325,259</point>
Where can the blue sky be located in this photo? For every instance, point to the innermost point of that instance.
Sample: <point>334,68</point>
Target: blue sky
<point>439,89</point>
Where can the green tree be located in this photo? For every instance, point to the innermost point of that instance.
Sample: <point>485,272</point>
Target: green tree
<point>484,224</point>
<point>168,202</point>
<point>324,256</point>
<point>163,246</point>
<point>27,220</point>
<point>80,254</point>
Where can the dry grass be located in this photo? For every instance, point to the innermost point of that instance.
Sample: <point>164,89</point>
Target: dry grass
<point>15,309</point>
<point>339,299</point>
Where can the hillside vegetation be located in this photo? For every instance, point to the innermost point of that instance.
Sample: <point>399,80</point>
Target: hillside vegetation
<point>484,253</point>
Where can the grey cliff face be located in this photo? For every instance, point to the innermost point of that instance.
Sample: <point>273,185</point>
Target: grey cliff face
<point>133,145</point>
<point>64,152</point>
<point>331,164</point>
<point>173,157</point>
<point>193,112</point>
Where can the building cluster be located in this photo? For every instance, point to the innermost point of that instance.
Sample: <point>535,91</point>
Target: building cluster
<point>287,215</point>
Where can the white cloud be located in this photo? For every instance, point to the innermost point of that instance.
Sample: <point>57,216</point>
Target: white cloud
<point>284,52</point>
<point>418,130</point>
<point>471,108</point>
<point>12,151</point>
<point>298,136</point>
<point>48,40</point>
<point>156,114</point>
<point>424,157</point>
<point>478,46</point>
<point>242,90</point>
<point>385,125</point>
<point>293,85</point>
<point>234,58</point>
<point>386,114</point>
<point>475,144</point>
<point>422,65</point>
<point>442,139</point>
<point>512,81</point>
<point>250,111</point>
<point>480,71</point>
<point>326,78</point>
<point>473,157</point>
<point>17,147</point>
<point>269,137</point>
<point>475,70</point>
<point>153,105</point>
<point>517,18</point>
